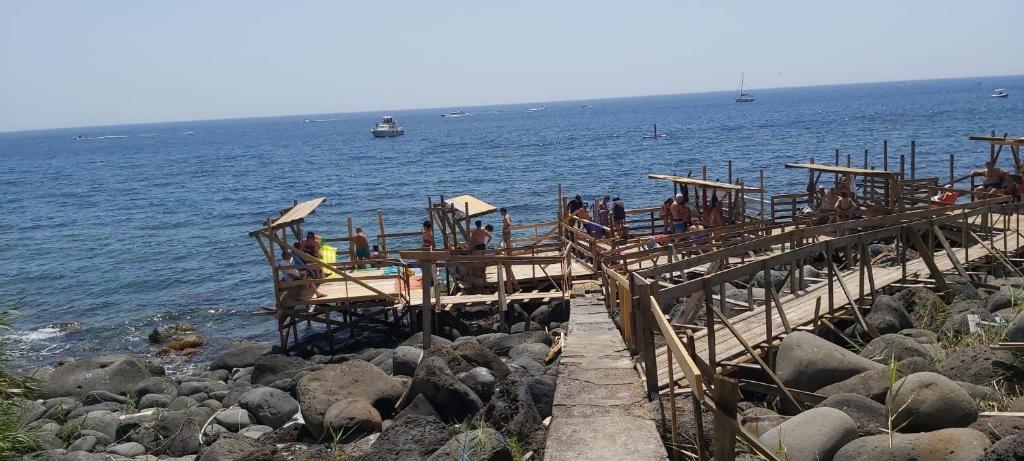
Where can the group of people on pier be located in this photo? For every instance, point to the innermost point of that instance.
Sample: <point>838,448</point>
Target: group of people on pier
<point>677,217</point>
<point>479,238</point>
<point>606,213</point>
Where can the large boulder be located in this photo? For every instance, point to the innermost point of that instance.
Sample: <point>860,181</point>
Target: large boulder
<point>534,351</point>
<point>1015,331</point>
<point>888,315</point>
<point>961,288</point>
<point>171,433</point>
<point>419,406</point>
<point>479,356</point>
<point>929,401</point>
<point>350,419</point>
<point>480,381</point>
<point>925,307</point>
<point>356,379</point>
<point>1007,449</point>
<point>999,427</point>
<point>118,374</point>
<point>542,391</point>
<point>415,437</point>
<point>270,407</point>
<point>959,444</point>
<point>484,444</point>
<point>501,344</point>
<point>228,447</point>
<point>511,409</point>
<point>777,280</point>
<point>874,384</point>
<point>416,340</point>
<point>869,415</point>
<point>450,396</point>
<point>156,385</point>
<point>291,451</point>
<point>998,301</point>
<point>896,347</point>
<point>808,362</point>
<point>981,365</point>
<point>275,367</point>
<point>405,360</point>
<point>817,433</point>
<point>240,355</point>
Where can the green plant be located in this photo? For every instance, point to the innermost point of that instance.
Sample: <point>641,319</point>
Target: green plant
<point>515,448</point>
<point>890,414</point>
<point>15,439</point>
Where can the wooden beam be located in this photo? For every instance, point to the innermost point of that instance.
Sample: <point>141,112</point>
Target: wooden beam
<point>757,357</point>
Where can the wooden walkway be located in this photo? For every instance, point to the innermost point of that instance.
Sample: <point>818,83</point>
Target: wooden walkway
<point>800,307</point>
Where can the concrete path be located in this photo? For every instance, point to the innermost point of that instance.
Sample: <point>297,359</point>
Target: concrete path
<point>600,412</point>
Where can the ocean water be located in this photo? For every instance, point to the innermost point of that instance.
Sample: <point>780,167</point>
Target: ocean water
<point>136,226</point>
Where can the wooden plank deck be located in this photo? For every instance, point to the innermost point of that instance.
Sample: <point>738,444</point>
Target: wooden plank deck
<point>800,307</point>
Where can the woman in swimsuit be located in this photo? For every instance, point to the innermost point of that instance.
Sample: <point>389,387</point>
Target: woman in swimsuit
<point>666,215</point>
<point>428,236</point>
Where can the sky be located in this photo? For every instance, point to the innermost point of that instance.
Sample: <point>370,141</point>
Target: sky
<point>103,62</point>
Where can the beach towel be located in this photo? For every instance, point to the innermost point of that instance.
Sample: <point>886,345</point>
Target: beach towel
<point>329,255</point>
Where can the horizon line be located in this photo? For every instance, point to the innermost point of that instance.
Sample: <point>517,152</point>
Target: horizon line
<point>598,98</point>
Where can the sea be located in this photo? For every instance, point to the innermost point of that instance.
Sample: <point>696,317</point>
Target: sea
<point>108,232</point>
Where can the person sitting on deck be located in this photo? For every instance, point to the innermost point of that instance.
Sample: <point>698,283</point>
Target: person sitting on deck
<point>479,239</point>
<point>666,215</point>
<point>361,244</point>
<point>289,272</point>
<point>311,245</point>
<point>428,236</point>
<point>995,178</point>
<point>506,229</point>
<point>846,206</point>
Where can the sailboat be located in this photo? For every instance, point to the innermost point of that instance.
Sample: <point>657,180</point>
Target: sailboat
<point>740,95</point>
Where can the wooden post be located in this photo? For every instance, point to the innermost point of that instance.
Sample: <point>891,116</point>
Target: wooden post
<point>849,160</point>
<point>428,308</point>
<point>903,171</point>
<point>645,291</point>
<point>951,160</point>
<point>502,302</point>
<point>885,155</point>
<point>726,396</point>
<point>865,159</point>
<point>698,418</point>
<point>762,194</point>
<point>836,176</point>
<point>913,159</point>
<point>383,239</point>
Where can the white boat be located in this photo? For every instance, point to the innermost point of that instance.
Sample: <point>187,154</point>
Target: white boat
<point>999,93</point>
<point>387,127</point>
<point>538,109</point>
<point>740,95</point>
<point>457,113</point>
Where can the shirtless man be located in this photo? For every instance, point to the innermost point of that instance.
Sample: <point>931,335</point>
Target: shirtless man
<point>428,236</point>
<point>845,206</point>
<point>845,184</point>
<point>680,215</point>
<point>311,245</point>
<point>995,178</point>
<point>479,239</point>
<point>361,244</point>
<point>506,229</point>
<point>666,214</point>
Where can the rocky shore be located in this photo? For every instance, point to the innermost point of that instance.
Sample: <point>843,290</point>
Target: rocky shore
<point>917,392</point>
<point>483,397</point>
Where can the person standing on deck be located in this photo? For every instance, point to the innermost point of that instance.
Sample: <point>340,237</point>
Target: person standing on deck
<point>680,215</point>
<point>506,229</point>
<point>361,244</point>
<point>618,213</point>
<point>666,215</point>
<point>428,236</point>
<point>479,239</point>
<point>575,205</point>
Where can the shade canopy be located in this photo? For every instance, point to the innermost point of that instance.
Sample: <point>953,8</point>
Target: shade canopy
<point>476,206</point>
<point>842,169</point>
<point>703,183</point>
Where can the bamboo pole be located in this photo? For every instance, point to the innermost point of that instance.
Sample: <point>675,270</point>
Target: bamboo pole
<point>383,235</point>
<point>913,159</point>
<point>885,155</point>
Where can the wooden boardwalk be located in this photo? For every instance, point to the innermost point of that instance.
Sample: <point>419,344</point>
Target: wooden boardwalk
<point>800,307</point>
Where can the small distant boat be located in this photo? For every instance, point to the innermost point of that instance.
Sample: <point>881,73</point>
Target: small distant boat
<point>538,109</point>
<point>457,113</point>
<point>999,93</point>
<point>740,95</point>
<point>656,135</point>
<point>387,127</point>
